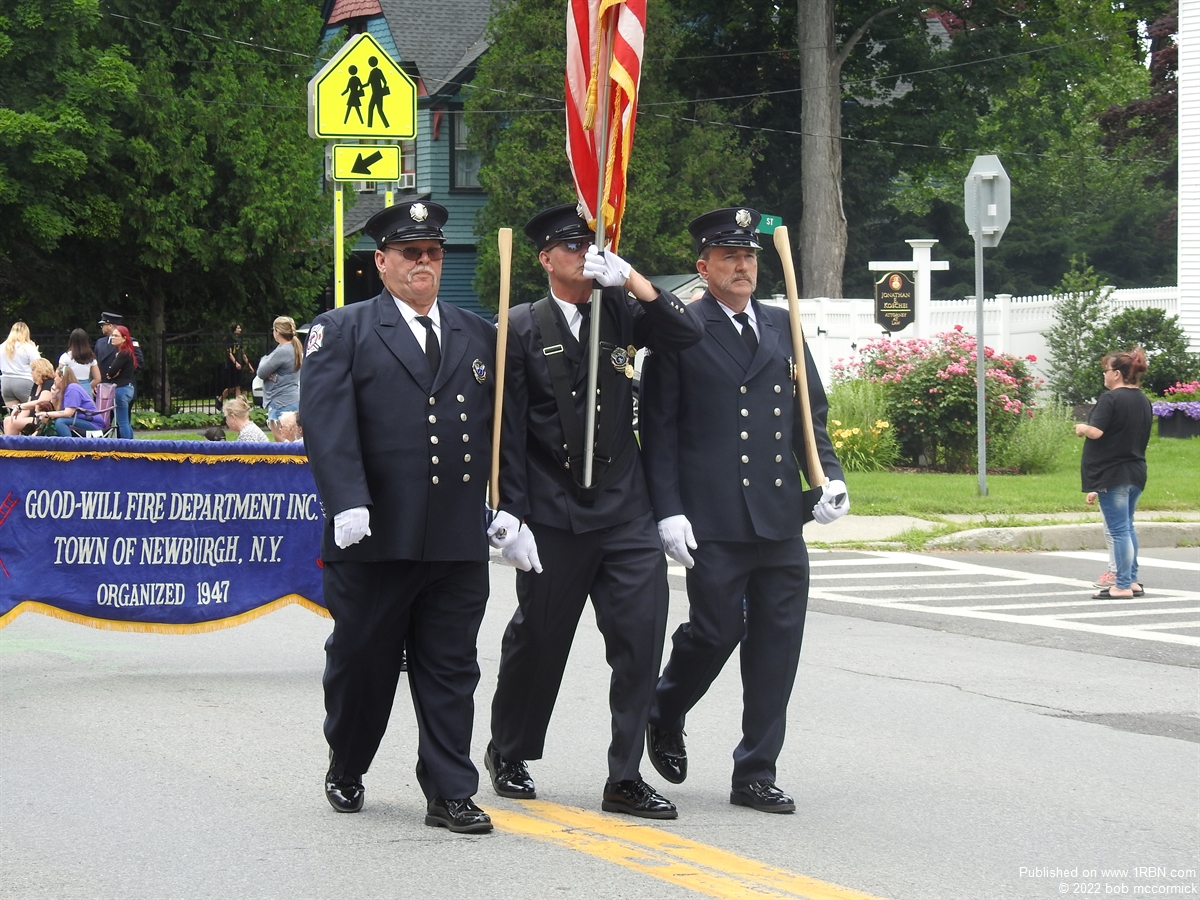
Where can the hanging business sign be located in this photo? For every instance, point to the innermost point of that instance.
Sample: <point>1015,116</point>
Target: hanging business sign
<point>895,306</point>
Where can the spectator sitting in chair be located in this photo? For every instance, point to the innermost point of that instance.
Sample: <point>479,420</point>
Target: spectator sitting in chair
<point>73,406</point>
<point>237,418</point>
<point>24,416</point>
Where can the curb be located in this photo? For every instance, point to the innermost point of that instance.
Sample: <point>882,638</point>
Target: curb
<point>1065,537</point>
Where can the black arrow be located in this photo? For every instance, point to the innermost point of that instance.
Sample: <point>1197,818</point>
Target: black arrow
<point>363,166</point>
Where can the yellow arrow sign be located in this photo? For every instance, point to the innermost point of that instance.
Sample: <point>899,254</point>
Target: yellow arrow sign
<point>354,162</point>
<point>360,93</point>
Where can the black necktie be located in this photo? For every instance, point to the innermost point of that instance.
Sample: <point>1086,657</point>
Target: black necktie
<point>585,324</point>
<point>433,352</point>
<point>747,332</point>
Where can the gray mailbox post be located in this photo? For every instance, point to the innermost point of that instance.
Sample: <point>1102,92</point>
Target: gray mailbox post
<point>987,204</point>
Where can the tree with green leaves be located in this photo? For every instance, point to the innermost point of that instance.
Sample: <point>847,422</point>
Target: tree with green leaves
<point>679,167</point>
<point>211,183</point>
<point>1081,308</point>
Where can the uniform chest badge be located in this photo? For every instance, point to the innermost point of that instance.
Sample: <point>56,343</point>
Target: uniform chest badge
<point>315,335</point>
<point>620,358</point>
<point>480,371</point>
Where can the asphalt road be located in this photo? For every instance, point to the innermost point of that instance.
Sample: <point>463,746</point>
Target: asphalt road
<point>932,754</point>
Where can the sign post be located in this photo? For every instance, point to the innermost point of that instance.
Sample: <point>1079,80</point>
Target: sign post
<point>986,202</point>
<point>360,71</point>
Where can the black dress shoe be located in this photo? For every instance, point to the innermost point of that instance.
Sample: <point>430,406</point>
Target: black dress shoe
<point>510,777</point>
<point>343,791</point>
<point>460,816</point>
<point>637,799</point>
<point>667,753</point>
<point>763,796</point>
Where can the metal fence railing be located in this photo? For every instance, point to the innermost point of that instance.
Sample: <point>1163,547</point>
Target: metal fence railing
<point>182,372</point>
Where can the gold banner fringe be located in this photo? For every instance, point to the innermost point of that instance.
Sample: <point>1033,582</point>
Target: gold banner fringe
<point>159,627</point>
<point>68,455</point>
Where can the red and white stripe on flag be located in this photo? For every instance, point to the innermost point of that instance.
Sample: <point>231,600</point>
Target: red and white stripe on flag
<point>584,25</point>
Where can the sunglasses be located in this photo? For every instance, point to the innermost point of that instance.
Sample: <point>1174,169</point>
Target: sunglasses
<point>414,254</point>
<point>573,246</point>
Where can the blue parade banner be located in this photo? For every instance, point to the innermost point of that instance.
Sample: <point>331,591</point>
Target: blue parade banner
<point>164,536</point>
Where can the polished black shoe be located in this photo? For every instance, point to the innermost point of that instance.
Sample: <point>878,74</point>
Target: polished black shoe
<point>460,816</point>
<point>763,796</point>
<point>667,753</point>
<point>637,799</point>
<point>343,791</point>
<point>510,777</point>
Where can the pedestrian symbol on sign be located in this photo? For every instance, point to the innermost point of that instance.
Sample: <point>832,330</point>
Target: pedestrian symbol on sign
<point>362,74</point>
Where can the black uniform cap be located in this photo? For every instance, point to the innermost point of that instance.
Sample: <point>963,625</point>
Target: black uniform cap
<point>420,221</point>
<point>110,318</point>
<point>731,227</point>
<point>558,223</point>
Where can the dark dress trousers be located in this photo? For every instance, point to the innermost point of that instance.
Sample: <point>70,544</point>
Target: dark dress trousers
<point>384,432</point>
<point>608,549</point>
<point>723,445</point>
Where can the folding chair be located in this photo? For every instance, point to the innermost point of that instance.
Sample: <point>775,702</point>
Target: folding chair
<point>106,403</point>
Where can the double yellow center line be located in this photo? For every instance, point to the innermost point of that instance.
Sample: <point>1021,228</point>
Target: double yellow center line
<point>664,855</point>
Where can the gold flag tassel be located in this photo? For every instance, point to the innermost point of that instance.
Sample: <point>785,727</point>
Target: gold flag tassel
<point>589,109</point>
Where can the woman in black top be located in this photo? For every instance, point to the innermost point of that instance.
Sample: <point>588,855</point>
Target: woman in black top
<point>1114,460</point>
<point>121,372</point>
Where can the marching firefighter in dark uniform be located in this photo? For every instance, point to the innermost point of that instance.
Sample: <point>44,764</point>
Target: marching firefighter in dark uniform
<point>396,400</point>
<point>724,449</point>
<point>570,541</point>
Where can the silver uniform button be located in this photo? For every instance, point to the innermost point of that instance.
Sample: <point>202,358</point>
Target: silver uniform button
<point>746,482</point>
<point>434,479</point>
<point>778,435</point>
<point>745,436</point>
<point>778,482</point>
<point>434,460</point>
<point>432,419</point>
<point>433,439</point>
<point>745,412</point>
<point>777,389</point>
<point>778,459</point>
<point>466,477</point>
<point>463,416</point>
<point>432,401</point>
<point>467,457</point>
<point>466,437</point>
<point>742,389</point>
<point>461,398</point>
<point>777,411</point>
<point>745,459</point>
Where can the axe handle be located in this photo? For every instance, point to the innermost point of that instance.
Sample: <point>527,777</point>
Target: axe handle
<point>504,241</point>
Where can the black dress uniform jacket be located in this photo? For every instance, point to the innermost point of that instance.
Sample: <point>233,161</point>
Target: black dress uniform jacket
<point>725,451</point>
<point>414,449</point>
<point>534,479</point>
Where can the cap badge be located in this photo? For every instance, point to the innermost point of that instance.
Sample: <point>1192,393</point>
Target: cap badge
<point>418,212</point>
<point>742,218</point>
<point>480,371</point>
<point>580,211</point>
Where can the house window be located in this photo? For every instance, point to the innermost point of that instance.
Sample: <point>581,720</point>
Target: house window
<point>464,163</point>
<point>408,165</point>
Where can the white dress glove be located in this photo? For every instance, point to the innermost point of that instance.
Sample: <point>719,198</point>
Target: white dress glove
<point>834,503</point>
<point>522,552</point>
<point>351,525</point>
<point>675,533</point>
<point>605,267</point>
<point>503,530</point>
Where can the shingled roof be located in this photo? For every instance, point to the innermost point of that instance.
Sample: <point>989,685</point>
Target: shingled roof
<point>441,38</point>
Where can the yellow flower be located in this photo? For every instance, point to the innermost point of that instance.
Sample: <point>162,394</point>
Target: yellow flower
<point>856,431</point>
<point>834,422</point>
<point>837,444</point>
<point>880,423</point>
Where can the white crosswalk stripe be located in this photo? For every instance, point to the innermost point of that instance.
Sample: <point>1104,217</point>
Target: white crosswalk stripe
<point>950,587</point>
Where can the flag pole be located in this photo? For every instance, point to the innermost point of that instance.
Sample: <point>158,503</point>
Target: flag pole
<point>602,122</point>
<point>504,245</point>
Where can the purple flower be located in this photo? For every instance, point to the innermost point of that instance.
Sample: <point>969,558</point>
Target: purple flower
<point>1164,410</point>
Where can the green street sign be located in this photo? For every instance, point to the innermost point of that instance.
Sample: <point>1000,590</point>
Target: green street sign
<point>769,224</point>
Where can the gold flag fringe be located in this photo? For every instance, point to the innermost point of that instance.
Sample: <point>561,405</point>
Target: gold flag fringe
<point>162,627</point>
<point>69,455</point>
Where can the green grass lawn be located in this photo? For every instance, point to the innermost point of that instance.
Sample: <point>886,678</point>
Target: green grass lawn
<point>1173,484</point>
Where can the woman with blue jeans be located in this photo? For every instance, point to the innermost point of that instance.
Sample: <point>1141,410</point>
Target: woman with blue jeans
<point>1114,460</point>
<point>121,372</point>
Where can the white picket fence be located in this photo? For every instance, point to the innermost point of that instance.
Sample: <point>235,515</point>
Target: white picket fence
<point>1016,325</point>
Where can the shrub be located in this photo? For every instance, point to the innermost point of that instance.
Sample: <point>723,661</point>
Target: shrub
<point>862,437</point>
<point>1162,338</point>
<point>1082,307</point>
<point>931,396</point>
<point>1038,443</point>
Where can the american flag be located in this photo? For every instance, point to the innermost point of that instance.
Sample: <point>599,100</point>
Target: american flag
<point>586,21</point>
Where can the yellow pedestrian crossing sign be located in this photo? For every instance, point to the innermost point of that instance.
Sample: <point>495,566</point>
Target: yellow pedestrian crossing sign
<point>354,162</point>
<point>362,93</point>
